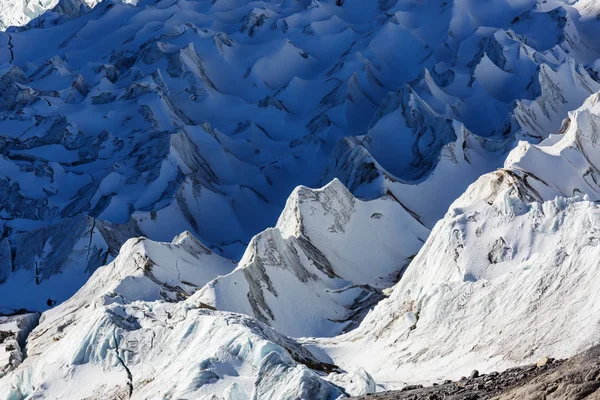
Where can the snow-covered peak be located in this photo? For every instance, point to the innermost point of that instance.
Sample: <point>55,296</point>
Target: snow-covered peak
<point>334,202</point>
<point>148,271</point>
<point>229,106</point>
<point>318,252</point>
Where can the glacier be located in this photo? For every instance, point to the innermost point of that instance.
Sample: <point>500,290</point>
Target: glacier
<point>308,199</point>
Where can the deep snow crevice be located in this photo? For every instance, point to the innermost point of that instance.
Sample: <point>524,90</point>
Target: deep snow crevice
<point>124,365</point>
<point>10,49</point>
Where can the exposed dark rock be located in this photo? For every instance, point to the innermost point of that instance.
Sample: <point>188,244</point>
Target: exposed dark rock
<point>575,378</point>
<point>485,386</point>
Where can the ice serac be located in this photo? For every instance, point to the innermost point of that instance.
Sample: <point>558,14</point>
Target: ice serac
<point>323,265</point>
<point>14,330</point>
<point>563,90</point>
<point>406,135</point>
<point>505,276</point>
<point>114,335</point>
<point>456,165</point>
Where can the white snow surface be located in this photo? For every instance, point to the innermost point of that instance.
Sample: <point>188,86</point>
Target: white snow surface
<point>116,337</point>
<point>157,161</point>
<point>505,276</point>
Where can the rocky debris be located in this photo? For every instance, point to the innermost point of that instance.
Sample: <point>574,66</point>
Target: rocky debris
<point>578,378</point>
<point>486,386</point>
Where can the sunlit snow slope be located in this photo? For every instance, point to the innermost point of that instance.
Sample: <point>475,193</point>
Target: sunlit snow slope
<point>506,277</point>
<point>156,166</point>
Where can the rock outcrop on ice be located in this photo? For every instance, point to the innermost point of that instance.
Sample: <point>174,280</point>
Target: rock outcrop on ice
<point>494,385</point>
<point>137,121</point>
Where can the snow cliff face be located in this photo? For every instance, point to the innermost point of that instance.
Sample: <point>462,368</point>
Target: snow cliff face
<point>14,330</point>
<point>133,123</point>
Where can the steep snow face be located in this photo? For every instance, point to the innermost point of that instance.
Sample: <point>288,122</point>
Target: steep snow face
<point>180,107</point>
<point>325,262</point>
<point>505,277</point>
<point>116,338</point>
